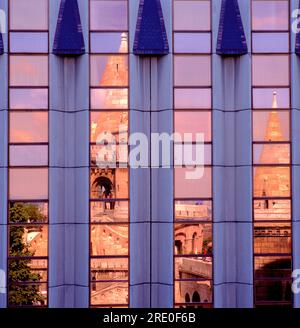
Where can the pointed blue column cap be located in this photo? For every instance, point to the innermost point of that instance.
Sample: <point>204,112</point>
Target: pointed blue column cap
<point>68,39</point>
<point>1,45</point>
<point>231,37</point>
<point>297,47</point>
<point>150,35</point>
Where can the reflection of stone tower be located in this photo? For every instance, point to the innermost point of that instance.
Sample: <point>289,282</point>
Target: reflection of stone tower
<point>273,182</point>
<point>112,122</point>
<point>116,70</point>
<point>267,180</point>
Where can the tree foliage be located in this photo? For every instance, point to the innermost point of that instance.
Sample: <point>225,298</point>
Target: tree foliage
<point>20,271</point>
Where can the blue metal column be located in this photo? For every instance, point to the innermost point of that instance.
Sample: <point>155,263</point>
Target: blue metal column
<point>232,177</point>
<point>69,161</point>
<point>151,191</point>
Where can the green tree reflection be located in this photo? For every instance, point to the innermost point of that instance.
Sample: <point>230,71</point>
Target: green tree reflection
<point>19,269</point>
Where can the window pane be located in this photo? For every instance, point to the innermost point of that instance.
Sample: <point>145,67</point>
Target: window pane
<point>192,98</point>
<point>28,98</point>
<point>28,212</point>
<point>200,210</point>
<point>192,43</point>
<point>28,155</point>
<point>271,126</point>
<point>109,183</point>
<point>28,240</point>
<point>193,268</point>
<point>187,187</point>
<point>107,155</point>
<point>273,291</point>
<point>271,154</point>
<point>198,291</point>
<point>270,70</point>
<point>191,154</point>
<point>108,15</point>
<point>28,127</point>
<point>109,42</point>
<point>270,15</point>
<point>36,270</point>
<point>272,266</point>
<point>192,15</point>
<point>109,211</point>
<point>109,127</point>
<point>109,293</point>
<point>272,209</point>
<point>270,181</point>
<point>109,239</point>
<point>28,42</point>
<point>264,97</point>
<point>17,291</point>
<point>28,184</point>
<point>193,122</point>
<point>28,70</point>
<point>109,98</point>
<point>109,70</point>
<point>194,238</point>
<point>109,269</point>
<point>272,237</point>
<point>29,14</point>
<point>192,70</point>
<point>270,42</point>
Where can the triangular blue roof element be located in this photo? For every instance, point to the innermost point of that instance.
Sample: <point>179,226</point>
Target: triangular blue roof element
<point>297,47</point>
<point>150,35</point>
<point>1,45</point>
<point>231,37</point>
<point>68,39</point>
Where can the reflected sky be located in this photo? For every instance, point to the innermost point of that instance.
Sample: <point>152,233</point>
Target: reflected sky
<point>192,15</point>
<point>28,184</point>
<point>270,70</point>
<point>28,98</point>
<point>108,15</point>
<point>107,42</point>
<point>192,70</point>
<point>28,127</point>
<point>193,188</point>
<point>270,42</point>
<point>28,42</point>
<point>192,98</point>
<point>270,15</point>
<point>28,14</point>
<point>193,122</point>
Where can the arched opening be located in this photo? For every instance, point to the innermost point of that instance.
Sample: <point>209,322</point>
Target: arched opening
<point>178,247</point>
<point>194,238</point>
<point>104,186</point>
<point>196,298</point>
<point>187,298</point>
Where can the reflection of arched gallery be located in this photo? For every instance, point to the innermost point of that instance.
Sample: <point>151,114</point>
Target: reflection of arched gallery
<point>189,239</point>
<point>109,183</point>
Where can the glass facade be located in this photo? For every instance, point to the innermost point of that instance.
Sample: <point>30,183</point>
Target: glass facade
<point>193,242</point>
<point>221,232</point>
<point>28,154</point>
<point>109,174</point>
<point>272,202</point>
